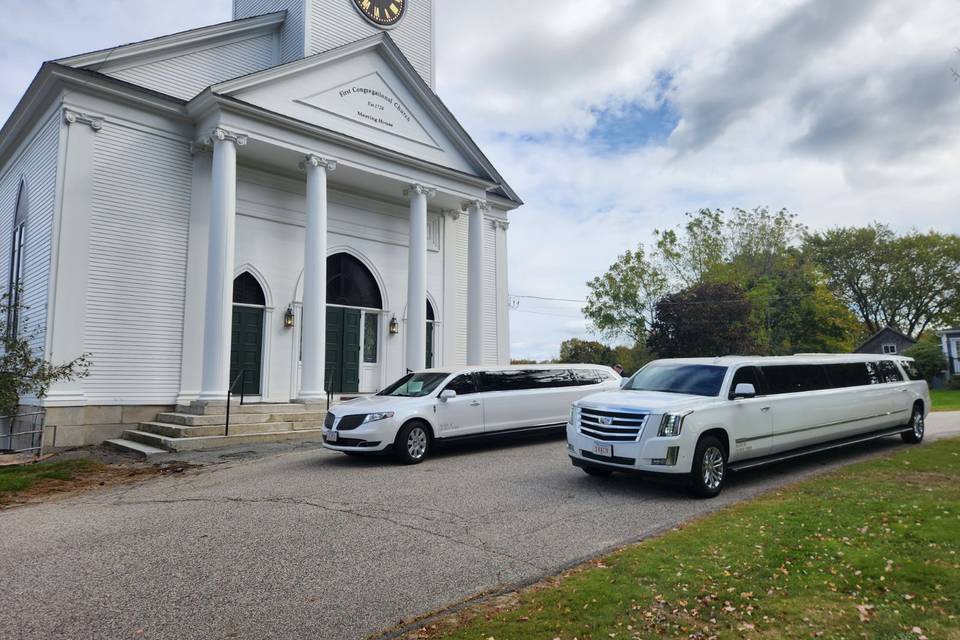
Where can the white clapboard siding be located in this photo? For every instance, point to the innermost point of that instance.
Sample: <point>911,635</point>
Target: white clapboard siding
<point>36,164</point>
<point>460,229</point>
<point>491,353</point>
<point>337,23</point>
<point>292,33</point>
<point>186,75</point>
<point>138,254</point>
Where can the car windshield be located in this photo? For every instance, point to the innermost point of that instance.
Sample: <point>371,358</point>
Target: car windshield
<point>692,379</point>
<point>415,385</point>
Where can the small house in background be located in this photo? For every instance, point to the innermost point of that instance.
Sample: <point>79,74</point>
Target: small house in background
<point>887,341</point>
<point>950,343</point>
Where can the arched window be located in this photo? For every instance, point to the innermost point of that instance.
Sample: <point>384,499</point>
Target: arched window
<point>16,261</point>
<point>246,290</point>
<point>350,283</point>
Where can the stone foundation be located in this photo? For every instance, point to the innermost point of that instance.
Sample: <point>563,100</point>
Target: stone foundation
<point>80,426</point>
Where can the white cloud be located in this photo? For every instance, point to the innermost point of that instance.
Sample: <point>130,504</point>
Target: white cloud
<point>844,113</point>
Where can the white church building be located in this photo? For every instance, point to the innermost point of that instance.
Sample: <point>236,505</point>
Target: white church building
<point>279,204</point>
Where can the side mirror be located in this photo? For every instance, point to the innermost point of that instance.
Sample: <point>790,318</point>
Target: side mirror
<point>447,394</point>
<point>744,390</point>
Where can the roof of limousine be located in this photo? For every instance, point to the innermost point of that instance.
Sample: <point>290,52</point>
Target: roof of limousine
<point>800,358</point>
<point>518,367</point>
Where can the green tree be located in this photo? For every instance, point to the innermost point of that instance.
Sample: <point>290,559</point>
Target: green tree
<point>23,371</point>
<point>576,350</point>
<point>632,358</point>
<point>620,303</point>
<point>707,319</point>
<point>909,282</point>
<point>929,358</point>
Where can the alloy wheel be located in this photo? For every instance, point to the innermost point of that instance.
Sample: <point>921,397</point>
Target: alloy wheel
<point>918,425</point>
<point>712,468</point>
<point>417,443</point>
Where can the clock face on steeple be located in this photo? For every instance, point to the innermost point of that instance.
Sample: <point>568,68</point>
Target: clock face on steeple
<point>383,13</point>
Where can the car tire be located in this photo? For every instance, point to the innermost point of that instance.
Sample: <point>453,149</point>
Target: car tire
<point>917,426</point>
<point>413,443</point>
<point>709,472</point>
<point>598,472</point>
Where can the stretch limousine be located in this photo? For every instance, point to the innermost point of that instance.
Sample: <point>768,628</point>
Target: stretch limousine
<point>419,408</point>
<point>700,417</point>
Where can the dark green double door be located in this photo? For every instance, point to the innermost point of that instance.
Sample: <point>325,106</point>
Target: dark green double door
<point>246,350</point>
<point>342,373</point>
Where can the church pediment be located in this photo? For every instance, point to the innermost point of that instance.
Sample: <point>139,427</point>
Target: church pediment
<point>370,101</point>
<point>369,91</point>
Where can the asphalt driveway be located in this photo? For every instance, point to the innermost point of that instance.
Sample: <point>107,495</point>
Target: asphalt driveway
<point>312,544</point>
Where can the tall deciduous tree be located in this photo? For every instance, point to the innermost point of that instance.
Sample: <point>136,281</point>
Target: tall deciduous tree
<point>576,350</point>
<point>621,301</point>
<point>707,319</point>
<point>909,282</point>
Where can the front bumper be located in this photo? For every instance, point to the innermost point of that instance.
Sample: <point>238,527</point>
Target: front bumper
<point>650,455</point>
<point>369,437</point>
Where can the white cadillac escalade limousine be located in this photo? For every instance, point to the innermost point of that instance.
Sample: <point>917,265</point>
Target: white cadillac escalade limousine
<point>698,418</point>
<point>447,404</point>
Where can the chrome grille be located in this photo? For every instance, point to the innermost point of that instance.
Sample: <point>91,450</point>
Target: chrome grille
<point>612,426</point>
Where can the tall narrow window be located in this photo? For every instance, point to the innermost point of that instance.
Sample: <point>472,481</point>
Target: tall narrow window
<point>16,262</point>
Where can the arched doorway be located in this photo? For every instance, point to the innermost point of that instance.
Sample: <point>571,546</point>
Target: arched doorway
<point>246,339</point>
<point>431,321</point>
<point>354,309</point>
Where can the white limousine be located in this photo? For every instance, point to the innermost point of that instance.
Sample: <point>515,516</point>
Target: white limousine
<point>446,404</point>
<point>700,417</point>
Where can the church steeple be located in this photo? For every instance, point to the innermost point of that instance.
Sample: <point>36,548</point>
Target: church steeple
<point>313,26</point>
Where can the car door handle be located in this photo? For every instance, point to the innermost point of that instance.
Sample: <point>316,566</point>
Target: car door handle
<point>475,403</point>
<point>764,409</point>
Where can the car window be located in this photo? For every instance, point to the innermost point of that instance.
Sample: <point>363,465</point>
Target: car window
<point>873,372</point>
<point>794,378</point>
<point>587,376</point>
<point>670,377</point>
<point>889,371</point>
<point>415,385</point>
<point>848,374</point>
<point>911,368</point>
<point>464,384</point>
<point>746,375</point>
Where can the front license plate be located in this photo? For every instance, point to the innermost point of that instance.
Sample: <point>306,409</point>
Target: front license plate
<point>605,450</point>
<point>331,436</point>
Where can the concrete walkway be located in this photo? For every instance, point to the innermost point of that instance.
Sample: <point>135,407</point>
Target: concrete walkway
<point>311,544</point>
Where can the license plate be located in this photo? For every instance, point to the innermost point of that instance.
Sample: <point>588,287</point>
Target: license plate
<point>605,450</point>
<point>331,436</point>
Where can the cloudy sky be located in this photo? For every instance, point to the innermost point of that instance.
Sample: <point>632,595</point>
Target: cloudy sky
<point>614,117</point>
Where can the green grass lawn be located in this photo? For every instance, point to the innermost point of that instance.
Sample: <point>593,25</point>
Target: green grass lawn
<point>24,477</point>
<point>945,400</point>
<point>869,551</point>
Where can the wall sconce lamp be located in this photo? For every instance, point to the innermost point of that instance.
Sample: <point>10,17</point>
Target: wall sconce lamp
<point>289,319</point>
<point>394,326</point>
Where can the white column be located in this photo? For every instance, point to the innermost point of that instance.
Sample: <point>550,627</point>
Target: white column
<point>315,280</point>
<point>220,255</point>
<point>475,283</point>
<point>417,277</point>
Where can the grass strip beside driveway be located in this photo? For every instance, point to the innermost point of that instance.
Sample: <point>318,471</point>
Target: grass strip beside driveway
<point>25,477</point>
<point>872,550</point>
<point>945,400</point>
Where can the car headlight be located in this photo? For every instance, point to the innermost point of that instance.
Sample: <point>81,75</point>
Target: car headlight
<point>671,424</point>
<point>376,417</point>
<point>573,414</point>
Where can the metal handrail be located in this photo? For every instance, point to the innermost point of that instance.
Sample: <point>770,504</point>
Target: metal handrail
<point>226,426</point>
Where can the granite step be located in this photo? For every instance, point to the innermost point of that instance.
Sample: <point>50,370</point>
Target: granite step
<point>211,442</point>
<point>245,409</point>
<point>187,431</point>
<point>194,420</point>
<point>137,448</point>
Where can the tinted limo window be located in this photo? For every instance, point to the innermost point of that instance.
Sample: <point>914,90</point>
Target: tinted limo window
<point>463,384</point>
<point>889,371</point>
<point>911,368</point>
<point>793,378</point>
<point>588,376</point>
<point>747,375</point>
<point>848,374</point>
<point>519,380</point>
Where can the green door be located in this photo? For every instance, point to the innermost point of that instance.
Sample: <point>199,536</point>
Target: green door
<point>246,350</point>
<point>343,350</point>
<point>429,360</point>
